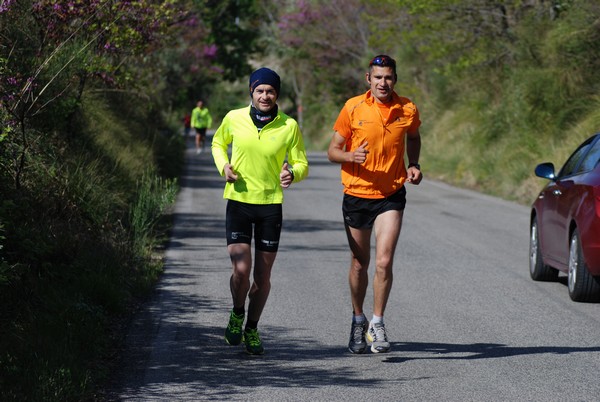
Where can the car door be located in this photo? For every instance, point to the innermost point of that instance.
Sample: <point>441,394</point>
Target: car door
<point>560,198</point>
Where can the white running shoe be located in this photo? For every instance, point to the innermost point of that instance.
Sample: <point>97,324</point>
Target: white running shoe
<point>378,338</point>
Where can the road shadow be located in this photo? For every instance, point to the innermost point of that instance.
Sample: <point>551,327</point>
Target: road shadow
<point>312,225</point>
<point>200,172</point>
<point>194,356</point>
<point>475,351</point>
<point>196,225</point>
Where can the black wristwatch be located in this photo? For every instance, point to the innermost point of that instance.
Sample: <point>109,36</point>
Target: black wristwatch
<point>414,165</point>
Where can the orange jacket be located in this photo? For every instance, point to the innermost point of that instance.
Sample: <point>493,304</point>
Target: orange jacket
<point>363,119</point>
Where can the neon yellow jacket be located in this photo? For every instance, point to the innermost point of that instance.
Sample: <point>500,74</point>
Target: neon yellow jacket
<point>257,157</point>
<point>201,118</point>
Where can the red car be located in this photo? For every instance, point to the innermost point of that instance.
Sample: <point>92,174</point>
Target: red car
<point>565,223</point>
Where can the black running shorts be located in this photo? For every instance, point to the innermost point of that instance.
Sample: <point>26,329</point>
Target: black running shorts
<point>266,219</point>
<point>360,213</point>
<point>201,131</point>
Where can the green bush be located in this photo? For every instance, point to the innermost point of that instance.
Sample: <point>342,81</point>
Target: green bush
<point>154,196</point>
<point>71,260</point>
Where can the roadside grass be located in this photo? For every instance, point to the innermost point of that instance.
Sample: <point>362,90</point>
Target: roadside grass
<point>78,248</point>
<point>493,146</point>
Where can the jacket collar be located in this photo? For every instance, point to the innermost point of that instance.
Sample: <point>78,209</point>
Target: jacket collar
<point>370,99</point>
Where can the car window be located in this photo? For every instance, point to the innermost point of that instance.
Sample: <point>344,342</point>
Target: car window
<point>591,159</point>
<point>573,162</point>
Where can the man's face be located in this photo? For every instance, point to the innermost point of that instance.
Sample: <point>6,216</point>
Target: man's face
<point>381,80</point>
<point>264,98</point>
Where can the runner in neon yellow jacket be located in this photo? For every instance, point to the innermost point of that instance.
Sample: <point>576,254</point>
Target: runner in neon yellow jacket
<point>200,122</point>
<point>261,137</point>
<point>258,157</point>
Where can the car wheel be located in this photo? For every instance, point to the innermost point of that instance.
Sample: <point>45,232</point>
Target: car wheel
<point>583,287</point>
<point>537,269</point>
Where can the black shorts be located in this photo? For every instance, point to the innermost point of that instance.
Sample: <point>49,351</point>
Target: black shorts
<point>266,219</point>
<point>360,213</point>
<point>201,131</point>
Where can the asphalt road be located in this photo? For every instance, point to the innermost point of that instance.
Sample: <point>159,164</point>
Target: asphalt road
<point>465,321</point>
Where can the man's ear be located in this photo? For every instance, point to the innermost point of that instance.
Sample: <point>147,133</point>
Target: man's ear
<point>368,77</point>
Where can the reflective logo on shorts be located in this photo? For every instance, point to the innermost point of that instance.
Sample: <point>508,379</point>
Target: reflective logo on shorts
<point>269,243</point>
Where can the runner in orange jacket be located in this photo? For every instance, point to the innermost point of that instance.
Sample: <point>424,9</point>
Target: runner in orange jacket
<point>372,134</point>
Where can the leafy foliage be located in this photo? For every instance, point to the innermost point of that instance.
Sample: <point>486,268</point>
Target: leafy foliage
<point>154,196</point>
<point>235,29</point>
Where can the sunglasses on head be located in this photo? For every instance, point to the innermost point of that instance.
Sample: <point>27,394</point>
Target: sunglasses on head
<point>383,61</point>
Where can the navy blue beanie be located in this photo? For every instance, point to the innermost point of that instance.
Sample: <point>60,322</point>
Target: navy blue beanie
<point>264,76</point>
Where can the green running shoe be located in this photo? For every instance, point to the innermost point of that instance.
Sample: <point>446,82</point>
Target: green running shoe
<point>233,332</point>
<point>253,343</point>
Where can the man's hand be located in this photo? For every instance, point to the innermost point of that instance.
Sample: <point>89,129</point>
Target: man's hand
<point>229,173</point>
<point>360,154</point>
<point>413,175</point>
<point>286,177</point>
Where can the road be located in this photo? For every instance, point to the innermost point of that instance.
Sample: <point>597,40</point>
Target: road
<point>465,321</point>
